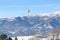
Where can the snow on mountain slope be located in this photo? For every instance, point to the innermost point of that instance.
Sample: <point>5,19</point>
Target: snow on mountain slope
<point>29,25</point>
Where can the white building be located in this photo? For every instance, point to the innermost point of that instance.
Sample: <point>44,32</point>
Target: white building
<point>25,38</point>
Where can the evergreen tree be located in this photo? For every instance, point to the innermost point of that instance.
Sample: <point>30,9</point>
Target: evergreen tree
<point>3,37</point>
<point>9,38</point>
<point>16,38</point>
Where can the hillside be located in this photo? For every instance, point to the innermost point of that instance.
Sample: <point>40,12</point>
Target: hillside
<point>29,25</point>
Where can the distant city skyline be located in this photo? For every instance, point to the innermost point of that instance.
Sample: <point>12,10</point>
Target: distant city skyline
<point>15,8</point>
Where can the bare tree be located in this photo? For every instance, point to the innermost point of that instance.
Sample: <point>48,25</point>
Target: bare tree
<point>55,33</point>
<point>47,36</point>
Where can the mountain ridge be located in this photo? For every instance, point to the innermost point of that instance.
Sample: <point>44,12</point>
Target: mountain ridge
<point>29,25</point>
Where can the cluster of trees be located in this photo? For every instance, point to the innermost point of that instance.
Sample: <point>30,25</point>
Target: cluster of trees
<point>54,34</point>
<point>4,37</point>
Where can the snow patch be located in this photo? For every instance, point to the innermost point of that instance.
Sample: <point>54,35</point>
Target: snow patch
<point>12,32</point>
<point>10,19</point>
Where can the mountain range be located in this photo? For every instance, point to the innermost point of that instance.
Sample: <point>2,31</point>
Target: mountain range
<point>29,25</point>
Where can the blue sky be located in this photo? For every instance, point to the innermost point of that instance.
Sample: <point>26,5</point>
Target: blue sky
<point>14,8</point>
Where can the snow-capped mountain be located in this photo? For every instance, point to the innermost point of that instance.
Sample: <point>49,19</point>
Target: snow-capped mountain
<point>29,25</point>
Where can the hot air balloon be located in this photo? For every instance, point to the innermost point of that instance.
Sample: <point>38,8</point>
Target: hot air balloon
<point>28,11</point>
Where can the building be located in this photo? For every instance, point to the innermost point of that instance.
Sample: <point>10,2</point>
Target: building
<point>25,38</point>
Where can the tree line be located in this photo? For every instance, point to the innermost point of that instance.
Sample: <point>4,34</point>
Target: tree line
<point>54,34</point>
<point>5,37</point>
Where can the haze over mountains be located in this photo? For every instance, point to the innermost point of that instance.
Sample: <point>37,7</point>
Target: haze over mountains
<point>29,25</point>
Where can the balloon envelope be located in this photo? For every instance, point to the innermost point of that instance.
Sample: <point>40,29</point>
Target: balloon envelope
<point>28,11</point>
